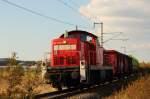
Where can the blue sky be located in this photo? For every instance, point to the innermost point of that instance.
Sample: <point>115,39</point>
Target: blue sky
<point>29,35</point>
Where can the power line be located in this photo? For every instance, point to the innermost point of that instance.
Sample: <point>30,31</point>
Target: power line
<point>66,4</point>
<point>74,3</point>
<point>72,8</point>
<point>39,14</point>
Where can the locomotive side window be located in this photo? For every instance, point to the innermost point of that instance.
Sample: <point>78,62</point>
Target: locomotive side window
<point>56,47</point>
<point>65,47</point>
<point>89,38</point>
<point>73,47</point>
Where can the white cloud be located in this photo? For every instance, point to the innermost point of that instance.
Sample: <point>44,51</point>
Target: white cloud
<point>129,16</point>
<point>117,11</point>
<point>118,8</point>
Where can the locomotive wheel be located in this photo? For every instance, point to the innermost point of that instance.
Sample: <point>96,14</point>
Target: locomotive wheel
<point>58,87</point>
<point>82,86</point>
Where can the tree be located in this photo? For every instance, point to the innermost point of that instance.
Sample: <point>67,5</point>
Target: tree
<point>135,61</point>
<point>21,82</point>
<point>14,77</point>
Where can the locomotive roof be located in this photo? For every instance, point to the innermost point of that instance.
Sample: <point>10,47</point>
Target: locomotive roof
<point>79,32</point>
<point>114,51</point>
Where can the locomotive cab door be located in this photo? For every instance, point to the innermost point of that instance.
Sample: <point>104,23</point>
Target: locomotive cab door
<point>82,71</point>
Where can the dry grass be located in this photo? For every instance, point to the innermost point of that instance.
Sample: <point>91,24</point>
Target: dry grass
<point>140,89</point>
<point>30,83</point>
<point>45,88</point>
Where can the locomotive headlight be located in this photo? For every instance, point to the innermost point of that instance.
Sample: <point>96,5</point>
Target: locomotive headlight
<point>64,42</point>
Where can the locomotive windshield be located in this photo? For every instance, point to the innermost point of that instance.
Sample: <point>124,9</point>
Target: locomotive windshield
<point>65,47</point>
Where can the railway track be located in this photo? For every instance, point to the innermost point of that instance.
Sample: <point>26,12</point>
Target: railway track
<point>74,91</point>
<point>63,93</point>
<point>55,94</point>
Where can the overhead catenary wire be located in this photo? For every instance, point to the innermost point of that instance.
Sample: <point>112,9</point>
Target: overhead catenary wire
<point>123,39</point>
<point>40,14</point>
<point>113,37</point>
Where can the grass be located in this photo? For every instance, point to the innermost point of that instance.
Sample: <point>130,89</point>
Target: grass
<point>30,83</point>
<point>45,88</point>
<point>140,89</point>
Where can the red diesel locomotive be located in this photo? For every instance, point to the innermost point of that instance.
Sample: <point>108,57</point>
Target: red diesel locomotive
<point>77,58</point>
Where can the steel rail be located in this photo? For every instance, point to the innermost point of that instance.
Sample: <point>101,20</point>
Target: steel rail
<point>74,91</point>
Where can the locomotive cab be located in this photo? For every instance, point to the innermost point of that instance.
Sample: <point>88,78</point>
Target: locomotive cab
<point>65,53</point>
